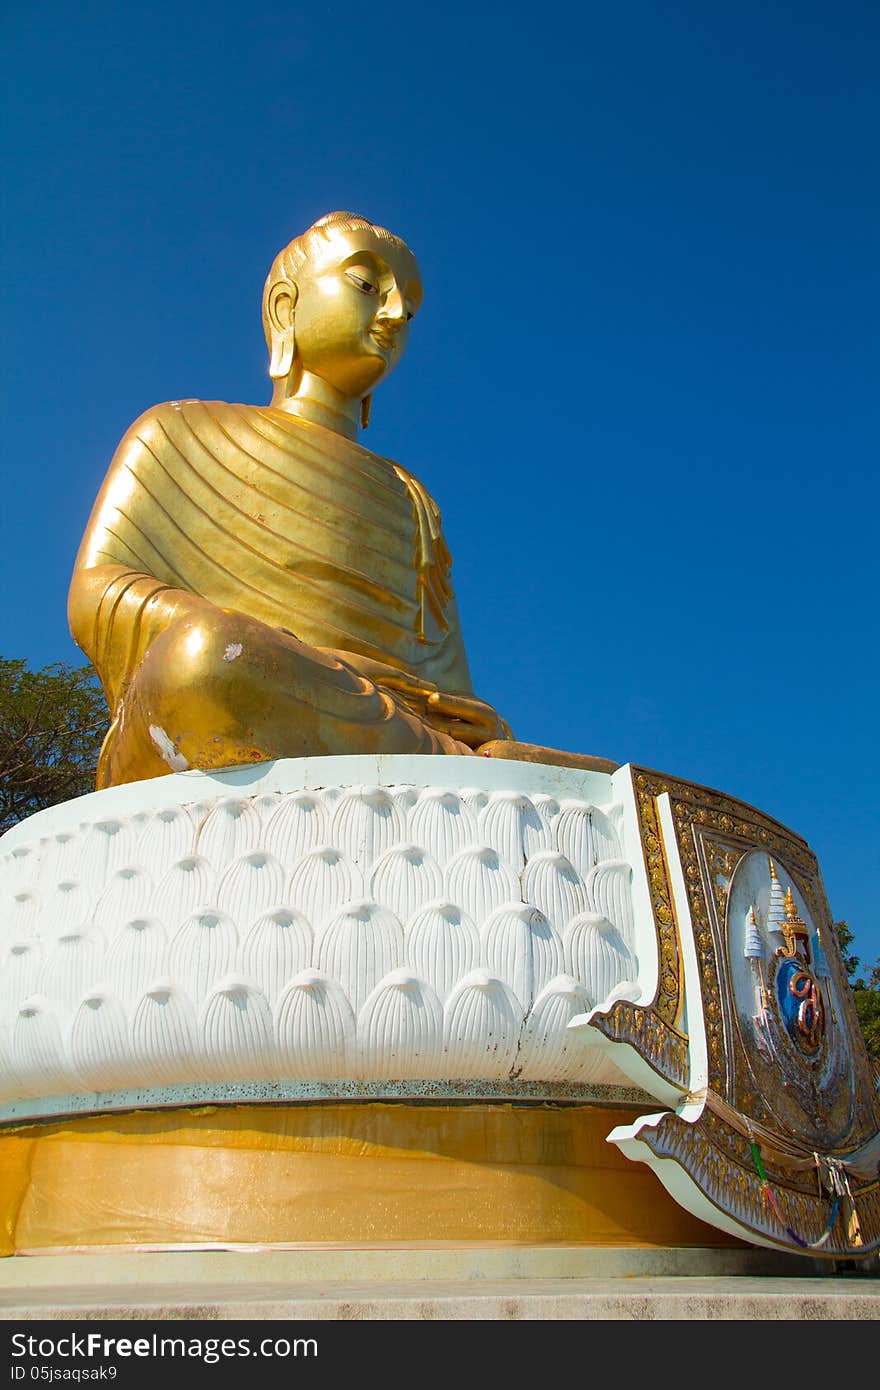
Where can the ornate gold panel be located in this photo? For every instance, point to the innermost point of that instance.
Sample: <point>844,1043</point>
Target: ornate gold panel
<point>786,1136</point>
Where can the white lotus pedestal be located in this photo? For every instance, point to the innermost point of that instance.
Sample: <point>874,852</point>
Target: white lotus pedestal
<point>401,999</point>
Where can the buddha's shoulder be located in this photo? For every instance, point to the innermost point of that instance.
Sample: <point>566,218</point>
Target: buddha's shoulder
<point>169,414</point>
<point>200,417</point>
<point>255,430</point>
<point>180,423</point>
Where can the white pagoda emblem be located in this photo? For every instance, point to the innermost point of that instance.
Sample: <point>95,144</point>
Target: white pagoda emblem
<point>789,971</point>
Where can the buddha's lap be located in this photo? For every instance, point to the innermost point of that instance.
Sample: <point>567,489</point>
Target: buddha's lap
<point>222,689</point>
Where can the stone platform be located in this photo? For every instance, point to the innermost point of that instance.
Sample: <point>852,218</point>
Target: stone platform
<point>425,1284</point>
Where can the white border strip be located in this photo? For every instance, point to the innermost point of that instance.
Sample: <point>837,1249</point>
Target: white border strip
<point>311,774</point>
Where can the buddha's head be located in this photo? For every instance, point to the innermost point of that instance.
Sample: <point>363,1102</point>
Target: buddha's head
<point>337,305</point>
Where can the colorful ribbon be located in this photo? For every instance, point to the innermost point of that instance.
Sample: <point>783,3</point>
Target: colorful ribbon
<point>769,1197</point>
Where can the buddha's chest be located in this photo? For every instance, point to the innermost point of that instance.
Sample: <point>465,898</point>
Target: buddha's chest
<point>315,524</point>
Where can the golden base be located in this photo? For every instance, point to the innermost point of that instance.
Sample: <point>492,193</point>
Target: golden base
<point>340,1173</point>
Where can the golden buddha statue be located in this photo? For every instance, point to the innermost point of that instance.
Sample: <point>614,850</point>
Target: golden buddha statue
<point>253,583</point>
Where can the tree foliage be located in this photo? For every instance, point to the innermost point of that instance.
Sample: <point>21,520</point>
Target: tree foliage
<point>868,1010</point>
<point>52,722</point>
<point>866,991</point>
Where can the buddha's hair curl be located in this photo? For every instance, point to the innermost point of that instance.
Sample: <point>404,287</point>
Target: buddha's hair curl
<point>294,256</point>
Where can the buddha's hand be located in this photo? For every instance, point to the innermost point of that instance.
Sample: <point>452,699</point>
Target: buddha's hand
<point>466,718</point>
<point>463,717</point>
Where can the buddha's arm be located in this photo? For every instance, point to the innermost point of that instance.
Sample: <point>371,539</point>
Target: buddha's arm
<point>120,599</point>
<point>116,614</point>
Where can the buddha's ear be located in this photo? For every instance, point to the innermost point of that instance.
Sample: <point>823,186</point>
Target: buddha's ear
<point>280,306</point>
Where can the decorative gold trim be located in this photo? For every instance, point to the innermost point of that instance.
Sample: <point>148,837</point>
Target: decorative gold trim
<point>665,1050</point>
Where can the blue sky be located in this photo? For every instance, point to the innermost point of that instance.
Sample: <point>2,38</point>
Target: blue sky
<point>643,384</point>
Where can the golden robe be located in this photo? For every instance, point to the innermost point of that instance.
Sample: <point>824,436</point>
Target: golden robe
<point>214,514</point>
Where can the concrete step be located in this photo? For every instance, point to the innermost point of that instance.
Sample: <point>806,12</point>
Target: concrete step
<point>390,1283</point>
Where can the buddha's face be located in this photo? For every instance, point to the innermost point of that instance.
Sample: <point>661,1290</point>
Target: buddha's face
<point>354,300</point>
